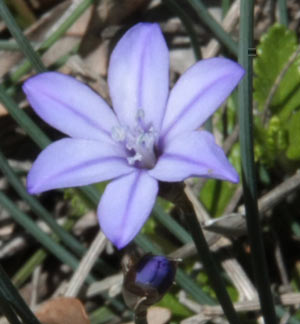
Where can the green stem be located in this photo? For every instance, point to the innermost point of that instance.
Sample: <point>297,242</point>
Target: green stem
<point>225,7</point>
<point>283,14</point>
<point>207,259</point>
<point>140,319</point>
<point>248,171</point>
<point>8,45</point>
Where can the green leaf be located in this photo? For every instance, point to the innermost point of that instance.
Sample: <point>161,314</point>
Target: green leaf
<point>215,195</point>
<point>273,52</point>
<point>149,227</point>
<point>280,133</point>
<point>270,141</point>
<point>171,302</point>
<point>203,280</point>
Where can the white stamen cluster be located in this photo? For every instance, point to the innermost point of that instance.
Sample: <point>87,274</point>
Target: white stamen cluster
<point>139,142</point>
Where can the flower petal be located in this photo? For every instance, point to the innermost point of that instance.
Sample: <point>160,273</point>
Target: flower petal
<point>75,162</point>
<point>69,106</point>
<point>193,154</point>
<point>198,93</point>
<point>138,75</point>
<point>125,206</point>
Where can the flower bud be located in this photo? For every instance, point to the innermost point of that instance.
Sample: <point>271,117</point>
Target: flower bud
<point>146,281</point>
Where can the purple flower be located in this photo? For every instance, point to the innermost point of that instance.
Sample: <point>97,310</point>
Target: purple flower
<point>150,135</point>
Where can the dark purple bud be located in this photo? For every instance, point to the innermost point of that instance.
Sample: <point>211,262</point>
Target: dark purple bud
<point>146,281</point>
<point>156,271</point>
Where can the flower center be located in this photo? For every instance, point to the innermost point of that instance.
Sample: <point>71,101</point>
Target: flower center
<point>138,142</point>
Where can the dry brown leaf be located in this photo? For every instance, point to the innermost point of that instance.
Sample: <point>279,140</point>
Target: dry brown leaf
<point>3,111</point>
<point>62,310</point>
<point>157,315</point>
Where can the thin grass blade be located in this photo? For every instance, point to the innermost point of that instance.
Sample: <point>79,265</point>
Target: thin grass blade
<point>186,21</point>
<point>24,220</point>
<point>10,293</point>
<point>79,10</point>
<point>7,310</point>
<point>215,27</point>
<point>248,169</point>
<point>283,13</point>
<point>22,41</point>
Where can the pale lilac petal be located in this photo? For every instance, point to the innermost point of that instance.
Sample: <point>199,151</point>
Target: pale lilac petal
<point>75,162</point>
<point>193,154</point>
<point>125,206</point>
<point>198,93</point>
<point>138,75</point>
<point>69,106</point>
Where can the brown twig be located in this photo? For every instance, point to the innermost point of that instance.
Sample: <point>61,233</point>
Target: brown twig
<point>276,195</point>
<point>86,265</point>
<point>209,312</point>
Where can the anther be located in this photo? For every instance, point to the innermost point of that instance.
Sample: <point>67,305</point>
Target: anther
<point>132,159</point>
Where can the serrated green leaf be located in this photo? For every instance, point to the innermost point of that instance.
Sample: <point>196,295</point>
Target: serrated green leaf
<point>273,52</point>
<point>270,141</point>
<point>280,133</point>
